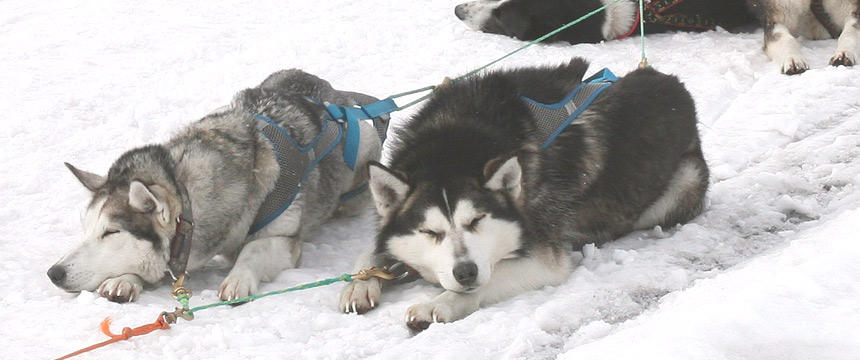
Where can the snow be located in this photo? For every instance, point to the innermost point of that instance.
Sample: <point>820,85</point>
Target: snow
<point>769,271</point>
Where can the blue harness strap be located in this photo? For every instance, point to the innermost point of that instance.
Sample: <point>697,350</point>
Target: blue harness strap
<point>351,116</point>
<point>296,161</point>
<point>552,119</point>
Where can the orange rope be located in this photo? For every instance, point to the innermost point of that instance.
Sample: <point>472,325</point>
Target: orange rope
<point>126,334</point>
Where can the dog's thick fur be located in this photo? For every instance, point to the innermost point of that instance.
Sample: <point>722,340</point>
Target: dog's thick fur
<point>228,168</point>
<point>529,19</point>
<point>470,202</point>
<point>785,20</point>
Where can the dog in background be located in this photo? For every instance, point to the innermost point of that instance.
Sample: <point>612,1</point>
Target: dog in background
<point>530,19</point>
<point>785,20</point>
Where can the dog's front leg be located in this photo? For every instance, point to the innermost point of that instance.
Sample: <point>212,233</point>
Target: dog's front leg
<point>123,288</point>
<point>361,296</point>
<point>510,278</point>
<point>260,260</point>
<point>847,45</point>
<point>784,49</point>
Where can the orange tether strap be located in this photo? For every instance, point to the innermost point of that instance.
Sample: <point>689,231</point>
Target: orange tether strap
<point>126,334</point>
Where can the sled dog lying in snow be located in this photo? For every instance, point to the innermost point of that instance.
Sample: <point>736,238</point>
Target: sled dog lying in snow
<point>472,202</point>
<point>530,19</point>
<point>223,167</point>
<point>784,20</point>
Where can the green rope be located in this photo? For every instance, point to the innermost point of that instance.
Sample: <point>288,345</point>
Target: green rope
<point>542,38</point>
<point>184,299</point>
<point>473,72</point>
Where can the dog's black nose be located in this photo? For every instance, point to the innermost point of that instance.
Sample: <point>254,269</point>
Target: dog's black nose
<point>460,11</point>
<point>466,273</point>
<point>57,274</point>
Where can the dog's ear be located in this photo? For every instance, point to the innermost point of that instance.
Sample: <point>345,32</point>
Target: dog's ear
<point>141,199</point>
<point>387,187</point>
<point>504,174</point>
<point>91,181</point>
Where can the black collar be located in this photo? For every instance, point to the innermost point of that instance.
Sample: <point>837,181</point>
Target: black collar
<point>180,244</point>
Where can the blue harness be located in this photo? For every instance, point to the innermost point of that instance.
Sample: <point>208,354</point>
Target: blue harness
<point>552,119</point>
<point>343,124</point>
<point>296,161</point>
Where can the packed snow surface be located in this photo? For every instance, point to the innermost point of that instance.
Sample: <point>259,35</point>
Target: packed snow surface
<point>770,270</point>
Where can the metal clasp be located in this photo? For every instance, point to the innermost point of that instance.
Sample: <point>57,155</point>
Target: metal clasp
<point>385,273</point>
<point>171,317</point>
<point>366,274</point>
<point>178,289</point>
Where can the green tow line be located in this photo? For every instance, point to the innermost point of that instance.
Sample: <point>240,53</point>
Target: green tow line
<point>183,295</point>
<point>530,43</point>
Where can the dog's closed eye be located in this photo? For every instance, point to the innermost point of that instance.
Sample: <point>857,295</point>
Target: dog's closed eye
<point>474,223</point>
<point>109,232</point>
<point>429,232</point>
<point>436,235</point>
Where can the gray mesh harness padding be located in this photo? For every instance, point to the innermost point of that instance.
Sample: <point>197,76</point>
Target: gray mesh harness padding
<point>552,119</point>
<point>295,162</point>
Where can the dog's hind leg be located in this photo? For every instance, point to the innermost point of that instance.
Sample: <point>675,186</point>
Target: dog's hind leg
<point>543,267</point>
<point>260,260</point>
<point>848,45</point>
<point>684,196</point>
<point>783,48</point>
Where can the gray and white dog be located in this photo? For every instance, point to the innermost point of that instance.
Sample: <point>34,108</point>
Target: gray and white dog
<point>785,20</point>
<point>228,167</point>
<point>471,202</point>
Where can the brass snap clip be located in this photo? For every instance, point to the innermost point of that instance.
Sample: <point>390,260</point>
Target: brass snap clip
<point>366,274</point>
<point>171,317</point>
<point>178,289</point>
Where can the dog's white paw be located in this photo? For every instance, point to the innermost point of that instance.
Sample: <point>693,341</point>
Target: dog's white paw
<point>844,58</point>
<point>123,288</point>
<point>794,66</point>
<point>360,296</point>
<point>420,316</point>
<point>239,283</point>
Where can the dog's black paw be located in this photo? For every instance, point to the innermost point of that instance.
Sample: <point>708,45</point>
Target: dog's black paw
<point>416,326</point>
<point>843,58</point>
<point>795,68</point>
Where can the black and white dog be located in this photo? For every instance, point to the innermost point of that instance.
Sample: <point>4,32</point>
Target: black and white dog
<point>784,20</point>
<point>528,20</point>
<point>472,202</point>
